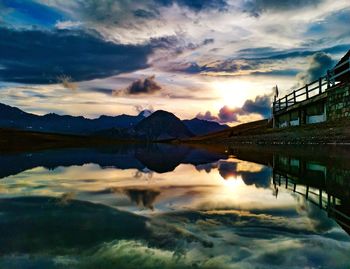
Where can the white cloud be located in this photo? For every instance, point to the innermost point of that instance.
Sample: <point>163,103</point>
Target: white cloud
<point>61,25</point>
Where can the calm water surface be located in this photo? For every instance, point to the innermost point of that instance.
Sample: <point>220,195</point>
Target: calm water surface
<point>163,206</point>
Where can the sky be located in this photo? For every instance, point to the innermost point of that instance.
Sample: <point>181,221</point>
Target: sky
<point>211,59</point>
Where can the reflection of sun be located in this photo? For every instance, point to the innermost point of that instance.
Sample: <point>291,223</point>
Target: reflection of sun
<point>233,93</point>
<point>232,181</point>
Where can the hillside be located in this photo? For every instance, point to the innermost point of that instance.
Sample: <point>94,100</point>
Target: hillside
<point>261,132</point>
<point>203,127</point>
<point>236,131</point>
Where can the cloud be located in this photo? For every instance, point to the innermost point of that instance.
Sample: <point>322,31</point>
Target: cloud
<point>260,105</point>
<point>145,110</point>
<point>62,25</point>
<point>140,86</point>
<point>67,82</point>
<point>26,14</point>
<point>227,114</point>
<point>208,41</point>
<point>196,5</point>
<point>34,56</point>
<point>257,7</point>
<point>318,64</point>
<point>207,116</point>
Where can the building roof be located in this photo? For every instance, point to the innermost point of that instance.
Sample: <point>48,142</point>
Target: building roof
<point>345,77</point>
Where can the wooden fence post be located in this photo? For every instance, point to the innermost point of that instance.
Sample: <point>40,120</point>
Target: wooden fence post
<point>328,80</point>
<point>294,97</point>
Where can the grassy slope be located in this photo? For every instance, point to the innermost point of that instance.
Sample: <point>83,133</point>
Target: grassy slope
<point>261,132</point>
<point>16,141</point>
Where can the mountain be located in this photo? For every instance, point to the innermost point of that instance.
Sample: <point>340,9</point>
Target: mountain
<point>203,127</point>
<point>161,126</point>
<point>12,117</point>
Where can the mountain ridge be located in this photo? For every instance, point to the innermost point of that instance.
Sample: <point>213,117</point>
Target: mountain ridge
<point>15,118</point>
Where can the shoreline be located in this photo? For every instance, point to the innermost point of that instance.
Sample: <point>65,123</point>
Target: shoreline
<point>253,134</point>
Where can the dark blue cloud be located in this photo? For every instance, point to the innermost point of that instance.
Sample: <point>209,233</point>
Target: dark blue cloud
<point>260,105</point>
<point>34,56</point>
<point>196,5</point>
<point>282,55</point>
<point>146,14</point>
<point>27,13</point>
<point>318,63</point>
<point>330,23</point>
<point>282,72</point>
<point>252,59</point>
<point>141,86</point>
<point>257,7</point>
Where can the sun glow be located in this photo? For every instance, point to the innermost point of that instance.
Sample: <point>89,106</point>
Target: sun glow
<point>232,93</point>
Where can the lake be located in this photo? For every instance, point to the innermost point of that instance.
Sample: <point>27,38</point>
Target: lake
<point>166,206</point>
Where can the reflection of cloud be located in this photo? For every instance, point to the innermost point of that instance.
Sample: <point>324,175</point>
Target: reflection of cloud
<point>206,167</point>
<point>319,221</point>
<point>259,178</point>
<point>227,169</point>
<point>143,174</point>
<point>66,198</point>
<point>244,166</point>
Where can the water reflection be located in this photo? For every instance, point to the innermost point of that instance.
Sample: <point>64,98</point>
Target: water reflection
<point>164,206</point>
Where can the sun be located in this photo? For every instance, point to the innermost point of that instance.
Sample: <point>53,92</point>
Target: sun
<point>232,93</point>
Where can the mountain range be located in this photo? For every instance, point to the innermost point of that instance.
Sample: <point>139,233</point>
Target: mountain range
<point>160,125</point>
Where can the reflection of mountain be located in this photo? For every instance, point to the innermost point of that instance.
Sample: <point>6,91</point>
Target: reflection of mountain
<point>36,224</point>
<point>144,198</point>
<point>41,226</point>
<point>162,158</point>
<point>157,157</point>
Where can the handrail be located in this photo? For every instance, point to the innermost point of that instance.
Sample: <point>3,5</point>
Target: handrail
<point>308,91</point>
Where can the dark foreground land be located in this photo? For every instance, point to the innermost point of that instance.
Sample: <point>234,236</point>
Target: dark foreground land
<point>253,133</point>
<point>261,132</point>
<point>12,140</point>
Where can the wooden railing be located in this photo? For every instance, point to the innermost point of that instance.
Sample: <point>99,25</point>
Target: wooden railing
<point>327,204</point>
<point>312,89</point>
